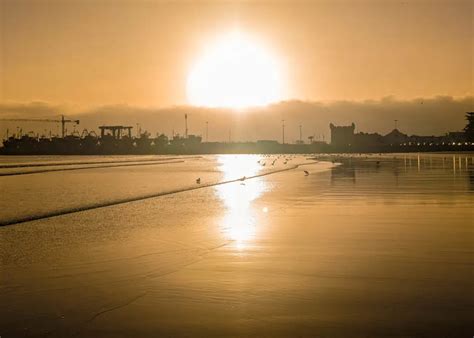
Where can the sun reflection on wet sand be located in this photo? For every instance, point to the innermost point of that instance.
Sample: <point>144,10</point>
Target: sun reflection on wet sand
<point>239,221</point>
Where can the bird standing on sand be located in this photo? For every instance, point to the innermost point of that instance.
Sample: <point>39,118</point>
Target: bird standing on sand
<point>198,181</point>
<point>306,173</point>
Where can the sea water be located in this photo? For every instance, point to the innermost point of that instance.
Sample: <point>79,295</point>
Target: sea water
<point>360,245</point>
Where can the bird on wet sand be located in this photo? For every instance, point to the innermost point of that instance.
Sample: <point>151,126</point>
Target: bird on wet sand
<point>306,173</point>
<point>198,180</point>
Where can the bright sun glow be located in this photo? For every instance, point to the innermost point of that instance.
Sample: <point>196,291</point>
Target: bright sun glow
<point>237,73</point>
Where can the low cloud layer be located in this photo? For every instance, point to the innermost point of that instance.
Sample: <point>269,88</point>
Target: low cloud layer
<point>423,116</point>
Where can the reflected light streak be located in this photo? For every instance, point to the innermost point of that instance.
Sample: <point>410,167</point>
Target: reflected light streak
<point>239,222</point>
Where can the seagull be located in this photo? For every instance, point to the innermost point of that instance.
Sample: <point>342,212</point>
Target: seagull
<point>198,181</point>
<point>306,173</point>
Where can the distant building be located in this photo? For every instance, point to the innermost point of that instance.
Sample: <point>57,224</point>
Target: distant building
<point>368,140</point>
<point>267,143</point>
<point>116,131</point>
<point>342,136</point>
<point>455,136</point>
<point>271,146</point>
<point>395,137</point>
<point>187,141</point>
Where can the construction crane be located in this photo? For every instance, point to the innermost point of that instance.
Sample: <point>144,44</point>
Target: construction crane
<point>63,122</point>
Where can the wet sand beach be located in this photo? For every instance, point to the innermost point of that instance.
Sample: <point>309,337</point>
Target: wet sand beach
<point>367,246</point>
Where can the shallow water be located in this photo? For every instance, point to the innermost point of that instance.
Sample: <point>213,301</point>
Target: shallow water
<point>357,249</point>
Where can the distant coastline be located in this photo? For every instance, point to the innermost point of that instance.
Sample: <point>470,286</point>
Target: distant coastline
<point>79,146</point>
<point>118,140</point>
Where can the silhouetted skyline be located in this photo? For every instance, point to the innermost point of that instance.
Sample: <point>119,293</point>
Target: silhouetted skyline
<point>422,116</point>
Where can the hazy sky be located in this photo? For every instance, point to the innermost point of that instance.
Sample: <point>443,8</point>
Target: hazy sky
<point>90,53</point>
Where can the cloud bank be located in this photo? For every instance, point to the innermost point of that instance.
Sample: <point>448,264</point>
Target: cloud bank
<point>423,116</point>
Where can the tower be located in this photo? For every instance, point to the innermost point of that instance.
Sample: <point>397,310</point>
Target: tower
<point>342,136</point>
<point>283,131</point>
<point>185,125</point>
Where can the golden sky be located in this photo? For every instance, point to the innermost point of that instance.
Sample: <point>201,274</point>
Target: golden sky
<point>141,52</point>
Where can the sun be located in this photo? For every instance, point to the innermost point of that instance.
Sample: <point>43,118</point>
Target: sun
<point>236,72</point>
